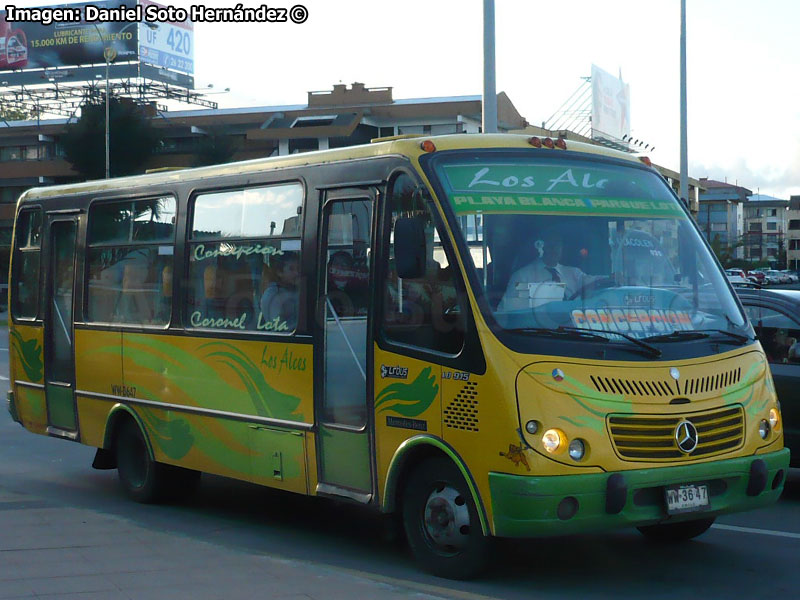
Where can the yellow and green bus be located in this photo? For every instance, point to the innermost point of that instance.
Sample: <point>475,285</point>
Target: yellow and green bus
<point>488,335</point>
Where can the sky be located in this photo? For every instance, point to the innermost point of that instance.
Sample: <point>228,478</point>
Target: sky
<point>742,66</point>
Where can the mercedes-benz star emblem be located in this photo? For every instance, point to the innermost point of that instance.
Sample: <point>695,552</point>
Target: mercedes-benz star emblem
<point>686,437</point>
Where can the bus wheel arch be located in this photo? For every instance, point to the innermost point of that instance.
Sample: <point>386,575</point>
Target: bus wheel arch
<point>143,479</point>
<point>441,520</point>
<point>416,463</point>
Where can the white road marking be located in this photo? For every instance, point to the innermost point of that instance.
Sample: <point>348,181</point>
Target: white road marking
<point>786,534</point>
<point>4,378</point>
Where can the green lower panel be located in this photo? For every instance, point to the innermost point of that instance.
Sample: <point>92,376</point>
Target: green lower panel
<point>345,458</point>
<point>528,506</point>
<point>61,407</point>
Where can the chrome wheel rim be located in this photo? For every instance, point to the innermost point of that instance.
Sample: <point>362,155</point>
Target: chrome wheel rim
<point>446,520</point>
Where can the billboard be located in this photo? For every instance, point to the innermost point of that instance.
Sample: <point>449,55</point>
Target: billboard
<point>65,38</point>
<point>611,99</point>
<point>33,44</point>
<point>169,45</point>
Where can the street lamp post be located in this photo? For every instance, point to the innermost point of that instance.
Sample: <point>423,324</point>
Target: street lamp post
<point>109,54</point>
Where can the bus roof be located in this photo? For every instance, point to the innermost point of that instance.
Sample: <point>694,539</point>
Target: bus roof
<point>409,147</point>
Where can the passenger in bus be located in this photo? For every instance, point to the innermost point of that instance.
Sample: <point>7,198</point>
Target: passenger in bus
<point>134,304</point>
<point>214,292</point>
<point>281,296</point>
<point>546,268</point>
<point>505,254</point>
<point>347,286</point>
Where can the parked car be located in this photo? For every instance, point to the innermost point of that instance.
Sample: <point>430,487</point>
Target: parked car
<point>765,278</point>
<point>758,276</point>
<point>775,314</point>
<point>739,281</point>
<point>778,276</point>
<point>793,278</point>
<point>737,276</point>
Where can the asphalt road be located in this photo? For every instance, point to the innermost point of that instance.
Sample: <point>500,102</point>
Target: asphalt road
<point>67,531</point>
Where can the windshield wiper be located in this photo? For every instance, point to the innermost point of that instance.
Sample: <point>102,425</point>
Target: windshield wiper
<point>583,333</point>
<point>697,334</point>
<point>651,350</point>
<point>678,336</point>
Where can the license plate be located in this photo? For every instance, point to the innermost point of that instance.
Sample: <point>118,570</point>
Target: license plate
<point>686,498</point>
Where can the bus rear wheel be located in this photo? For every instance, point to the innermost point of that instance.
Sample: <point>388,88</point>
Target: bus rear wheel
<point>441,522</point>
<point>142,478</point>
<point>676,532</point>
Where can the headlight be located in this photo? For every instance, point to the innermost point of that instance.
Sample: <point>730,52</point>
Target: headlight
<point>763,429</point>
<point>774,418</point>
<point>577,449</point>
<point>554,441</point>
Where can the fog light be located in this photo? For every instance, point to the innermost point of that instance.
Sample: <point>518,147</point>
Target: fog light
<point>763,429</point>
<point>554,441</point>
<point>532,427</point>
<point>577,449</point>
<point>774,418</point>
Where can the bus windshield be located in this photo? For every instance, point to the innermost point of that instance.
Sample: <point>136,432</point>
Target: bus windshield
<point>565,243</point>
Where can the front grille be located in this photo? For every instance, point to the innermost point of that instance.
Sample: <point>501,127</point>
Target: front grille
<point>648,438</point>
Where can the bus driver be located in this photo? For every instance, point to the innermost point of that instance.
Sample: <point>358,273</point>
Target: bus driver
<point>546,268</point>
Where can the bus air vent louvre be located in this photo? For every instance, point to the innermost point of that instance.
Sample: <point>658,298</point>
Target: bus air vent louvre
<point>652,437</point>
<point>462,411</point>
<point>664,388</point>
<point>711,383</point>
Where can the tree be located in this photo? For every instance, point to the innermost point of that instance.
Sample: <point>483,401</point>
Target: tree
<point>8,113</point>
<point>725,253</point>
<point>132,139</point>
<point>216,148</point>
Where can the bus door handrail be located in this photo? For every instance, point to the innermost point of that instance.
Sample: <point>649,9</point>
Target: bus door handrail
<point>346,339</point>
<point>61,320</point>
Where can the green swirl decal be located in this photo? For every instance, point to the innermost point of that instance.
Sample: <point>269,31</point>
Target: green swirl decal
<point>267,401</point>
<point>30,355</point>
<point>173,437</point>
<point>409,399</point>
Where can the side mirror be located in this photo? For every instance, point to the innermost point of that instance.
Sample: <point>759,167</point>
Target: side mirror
<point>409,247</point>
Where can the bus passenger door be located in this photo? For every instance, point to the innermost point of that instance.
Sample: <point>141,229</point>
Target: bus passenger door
<point>344,322</point>
<point>58,331</point>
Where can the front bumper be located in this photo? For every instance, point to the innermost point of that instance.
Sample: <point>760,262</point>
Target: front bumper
<point>560,505</point>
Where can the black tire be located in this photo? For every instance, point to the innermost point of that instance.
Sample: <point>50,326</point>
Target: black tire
<point>142,479</point>
<point>681,531</point>
<point>441,522</point>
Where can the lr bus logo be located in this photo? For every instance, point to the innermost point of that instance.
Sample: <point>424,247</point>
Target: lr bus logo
<point>394,372</point>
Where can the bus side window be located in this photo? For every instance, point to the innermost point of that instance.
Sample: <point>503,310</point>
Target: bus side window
<point>424,311</point>
<point>131,248</point>
<point>27,255</point>
<point>244,259</point>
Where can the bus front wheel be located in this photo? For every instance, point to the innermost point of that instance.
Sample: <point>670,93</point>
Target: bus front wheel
<point>676,532</point>
<point>441,522</point>
<point>142,478</point>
